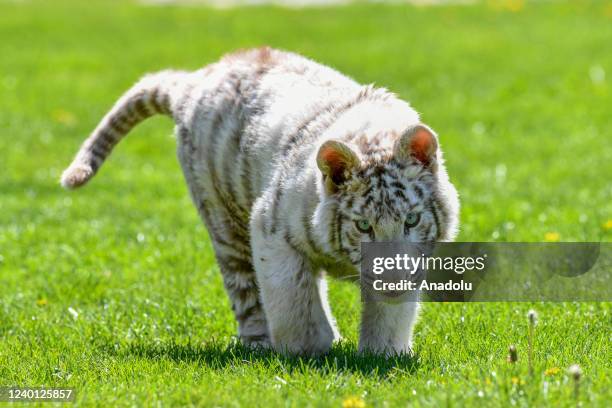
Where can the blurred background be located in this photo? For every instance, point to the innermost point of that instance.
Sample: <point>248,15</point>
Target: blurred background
<point>518,91</point>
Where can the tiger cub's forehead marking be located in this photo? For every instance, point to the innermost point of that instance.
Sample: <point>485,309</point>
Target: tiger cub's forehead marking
<point>387,191</point>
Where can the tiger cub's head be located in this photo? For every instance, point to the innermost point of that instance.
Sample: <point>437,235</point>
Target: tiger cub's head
<point>387,187</point>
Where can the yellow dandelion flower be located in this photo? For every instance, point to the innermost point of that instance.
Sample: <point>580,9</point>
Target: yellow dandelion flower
<point>552,237</point>
<point>64,117</point>
<point>507,5</point>
<point>514,5</point>
<point>517,381</point>
<point>552,371</point>
<point>353,402</point>
<point>41,302</point>
<point>607,225</point>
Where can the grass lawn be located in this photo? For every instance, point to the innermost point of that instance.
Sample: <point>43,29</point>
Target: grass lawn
<point>113,289</point>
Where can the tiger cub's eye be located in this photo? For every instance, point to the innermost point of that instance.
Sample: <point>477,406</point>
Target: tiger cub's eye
<point>412,219</point>
<point>363,226</point>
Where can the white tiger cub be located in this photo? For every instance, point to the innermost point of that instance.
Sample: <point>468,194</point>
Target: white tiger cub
<point>291,165</point>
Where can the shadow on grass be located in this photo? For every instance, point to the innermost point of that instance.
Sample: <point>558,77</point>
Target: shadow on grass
<point>342,357</point>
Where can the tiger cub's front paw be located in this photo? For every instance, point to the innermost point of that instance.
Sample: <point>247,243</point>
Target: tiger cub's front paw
<point>312,342</point>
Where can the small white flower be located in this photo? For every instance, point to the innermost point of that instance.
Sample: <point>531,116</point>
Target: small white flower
<point>533,317</point>
<point>73,313</point>
<point>575,371</point>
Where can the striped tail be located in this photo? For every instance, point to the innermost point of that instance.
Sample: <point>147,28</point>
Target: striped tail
<point>153,94</point>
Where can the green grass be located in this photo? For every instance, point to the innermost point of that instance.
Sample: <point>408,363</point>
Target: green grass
<point>524,119</point>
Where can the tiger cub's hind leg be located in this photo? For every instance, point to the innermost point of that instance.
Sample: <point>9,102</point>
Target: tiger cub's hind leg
<point>241,285</point>
<point>232,248</point>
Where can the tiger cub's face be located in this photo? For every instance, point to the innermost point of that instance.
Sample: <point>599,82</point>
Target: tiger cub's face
<point>377,195</point>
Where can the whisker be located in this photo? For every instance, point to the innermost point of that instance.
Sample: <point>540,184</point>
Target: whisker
<point>357,275</point>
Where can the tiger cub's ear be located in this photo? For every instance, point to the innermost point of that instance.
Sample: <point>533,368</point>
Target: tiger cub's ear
<point>418,142</point>
<point>335,160</point>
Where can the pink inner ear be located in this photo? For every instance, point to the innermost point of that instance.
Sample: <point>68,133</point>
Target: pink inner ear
<point>334,160</point>
<point>423,145</point>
